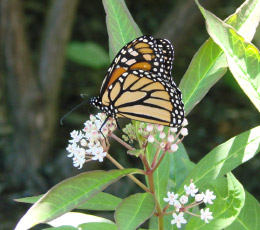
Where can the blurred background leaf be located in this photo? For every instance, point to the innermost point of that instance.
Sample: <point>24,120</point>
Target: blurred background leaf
<point>89,54</point>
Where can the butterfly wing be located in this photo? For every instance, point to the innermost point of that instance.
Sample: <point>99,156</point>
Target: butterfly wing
<point>168,54</point>
<point>143,96</point>
<point>145,53</point>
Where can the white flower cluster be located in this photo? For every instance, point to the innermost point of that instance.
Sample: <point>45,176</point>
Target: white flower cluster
<point>89,143</point>
<point>180,208</point>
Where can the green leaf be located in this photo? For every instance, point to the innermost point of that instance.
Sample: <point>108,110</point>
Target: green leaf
<point>68,194</point>
<point>180,166</point>
<point>230,198</point>
<point>225,158</point>
<point>101,201</point>
<point>209,63</point>
<point>88,54</point>
<point>120,25</point>
<point>98,226</point>
<point>134,210</point>
<point>75,219</point>
<point>62,228</point>
<point>243,57</point>
<point>30,200</point>
<point>249,217</point>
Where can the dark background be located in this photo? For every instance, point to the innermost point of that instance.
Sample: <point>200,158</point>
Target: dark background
<point>39,84</point>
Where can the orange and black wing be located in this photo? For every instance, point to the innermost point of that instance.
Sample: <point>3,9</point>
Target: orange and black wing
<point>145,53</point>
<point>143,96</point>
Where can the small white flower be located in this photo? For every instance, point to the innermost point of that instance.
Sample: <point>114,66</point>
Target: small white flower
<point>171,198</point>
<point>83,142</point>
<point>99,154</point>
<point>162,135</point>
<point>160,128</point>
<point>79,157</point>
<point>173,130</point>
<point>184,199</point>
<point>184,132</point>
<point>177,206</point>
<point>71,147</point>
<point>199,197</point>
<point>208,197</point>
<point>174,147</point>
<point>185,122</point>
<point>191,189</point>
<point>76,135</point>
<point>170,138</point>
<point>178,219</point>
<point>149,128</point>
<point>206,215</point>
<point>151,138</point>
<point>162,145</point>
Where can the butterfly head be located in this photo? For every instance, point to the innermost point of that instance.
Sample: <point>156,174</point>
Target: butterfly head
<point>95,101</point>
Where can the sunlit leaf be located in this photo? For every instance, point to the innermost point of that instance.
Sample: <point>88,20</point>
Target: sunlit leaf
<point>209,63</point>
<point>243,57</point>
<point>134,210</point>
<point>225,157</point>
<point>249,217</point>
<point>101,201</point>
<point>75,219</point>
<point>88,54</point>
<point>98,226</point>
<point>230,198</point>
<point>120,25</point>
<point>68,194</point>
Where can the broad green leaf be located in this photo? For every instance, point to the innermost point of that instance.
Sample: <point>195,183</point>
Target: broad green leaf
<point>249,217</point>
<point>101,201</point>
<point>230,198</point>
<point>134,210</point>
<point>30,200</point>
<point>209,63</point>
<point>68,194</point>
<point>225,157</point>
<point>243,57</point>
<point>98,226</point>
<point>88,54</point>
<point>75,219</point>
<point>62,228</point>
<point>179,166</point>
<point>120,25</point>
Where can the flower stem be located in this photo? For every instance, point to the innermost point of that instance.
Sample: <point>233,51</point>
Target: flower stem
<point>121,141</point>
<point>149,174</point>
<point>113,160</point>
<point>159,161</point>
<point>155,158</point>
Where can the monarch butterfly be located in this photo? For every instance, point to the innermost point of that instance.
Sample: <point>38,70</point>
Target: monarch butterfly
<point>138,84</point>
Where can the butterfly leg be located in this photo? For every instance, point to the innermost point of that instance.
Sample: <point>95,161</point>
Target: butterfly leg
<point>100,130</point>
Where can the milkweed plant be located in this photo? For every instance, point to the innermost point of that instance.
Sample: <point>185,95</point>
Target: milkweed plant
<point>176,192</point>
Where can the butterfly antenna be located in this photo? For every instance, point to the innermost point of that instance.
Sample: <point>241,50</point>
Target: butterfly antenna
<point>61,120</point>
<point>83,95</point>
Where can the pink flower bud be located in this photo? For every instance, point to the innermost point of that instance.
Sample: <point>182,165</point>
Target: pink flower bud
<point>170,138</point>
<point>184,132</point>
<point>162,135</point>
<point>174,147</point>
<point>149,128</point>
<point>151,138</point>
